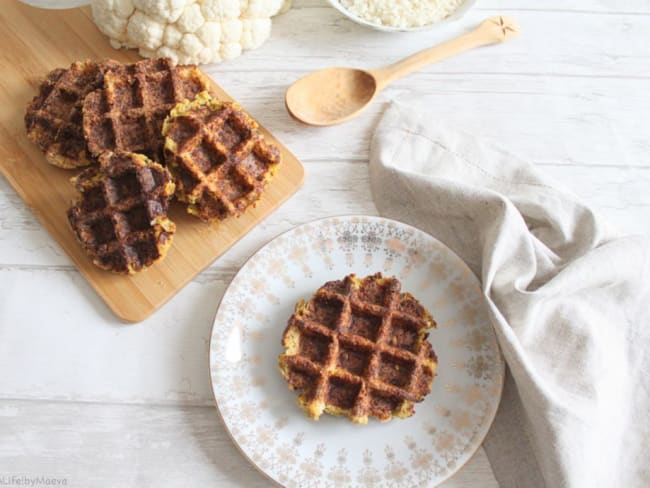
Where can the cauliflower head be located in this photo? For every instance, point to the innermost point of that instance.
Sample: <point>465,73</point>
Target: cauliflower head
<point>187,31</point>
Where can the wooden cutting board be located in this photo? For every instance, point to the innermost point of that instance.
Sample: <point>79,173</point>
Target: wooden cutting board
<point>35,41</point>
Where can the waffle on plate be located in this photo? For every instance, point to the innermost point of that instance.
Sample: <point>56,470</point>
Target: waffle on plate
<point>218,156</point>
<point>120,217</point>
<point>127,112</point>
<point>359,349</point>
<point>53,118</point>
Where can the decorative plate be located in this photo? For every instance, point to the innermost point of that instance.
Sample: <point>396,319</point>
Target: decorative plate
<point>260,412</point>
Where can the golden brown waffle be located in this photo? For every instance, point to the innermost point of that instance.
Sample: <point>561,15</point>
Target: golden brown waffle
<point>121,216</point>
<point>127,113</point>
<point>53,118</point>
<point>359,349</point>
<point>218,156</point>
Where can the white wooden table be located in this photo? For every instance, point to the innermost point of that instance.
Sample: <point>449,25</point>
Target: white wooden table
<point>99,403</point>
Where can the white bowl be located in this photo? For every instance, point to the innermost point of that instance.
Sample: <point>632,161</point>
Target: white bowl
<point>56,4</point>
<point>456,15</point>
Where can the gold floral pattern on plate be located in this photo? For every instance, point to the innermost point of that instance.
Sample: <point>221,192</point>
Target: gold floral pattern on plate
<point>260,412</point>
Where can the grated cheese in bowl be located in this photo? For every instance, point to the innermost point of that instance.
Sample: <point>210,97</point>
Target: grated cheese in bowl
<point>400,14</point>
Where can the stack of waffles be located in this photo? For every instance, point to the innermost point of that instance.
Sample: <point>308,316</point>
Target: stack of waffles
<point>148,131</point>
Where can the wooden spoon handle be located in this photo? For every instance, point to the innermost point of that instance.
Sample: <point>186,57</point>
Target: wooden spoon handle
<point>490,31</point>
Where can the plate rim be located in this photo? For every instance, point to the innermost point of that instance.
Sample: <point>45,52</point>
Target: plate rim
<point>503,365</point>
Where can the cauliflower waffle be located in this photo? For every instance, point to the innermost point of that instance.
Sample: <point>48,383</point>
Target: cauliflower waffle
<point>359,349</point>
<point>111,115</point>
<point>128,112</point>
<point>187,31</point>
<point>218,156</point>
<point>53,118</point>
<point>120,218</point>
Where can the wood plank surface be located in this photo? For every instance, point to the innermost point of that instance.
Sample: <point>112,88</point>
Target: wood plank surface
<point>36,41</point>
<point>140,446</point>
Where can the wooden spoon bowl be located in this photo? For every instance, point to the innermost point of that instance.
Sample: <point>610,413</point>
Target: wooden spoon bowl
<point>331,94</point>
<point>334,95</point>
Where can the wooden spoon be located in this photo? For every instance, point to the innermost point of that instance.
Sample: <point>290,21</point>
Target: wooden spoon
<point>334,95</point>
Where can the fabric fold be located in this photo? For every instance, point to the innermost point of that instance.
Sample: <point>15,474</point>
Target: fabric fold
<point>565,293</point>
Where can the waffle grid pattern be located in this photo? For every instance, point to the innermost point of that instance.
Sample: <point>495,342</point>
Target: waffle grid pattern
<point>219,157</point>
<point>120,218</point>
<point>359,348</point>
<point>127,114</point>
<point>54,119</point>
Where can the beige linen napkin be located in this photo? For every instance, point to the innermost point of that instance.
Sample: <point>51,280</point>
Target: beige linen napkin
<point>568,297</point>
